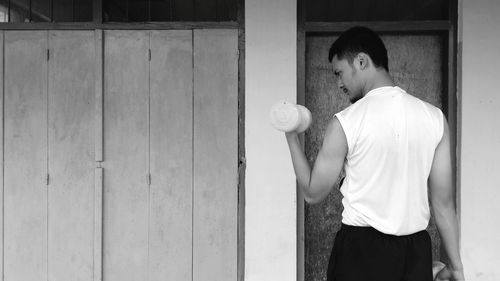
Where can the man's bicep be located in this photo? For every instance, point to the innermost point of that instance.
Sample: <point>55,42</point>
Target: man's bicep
<point>440,178</point>
<point>329,161</point>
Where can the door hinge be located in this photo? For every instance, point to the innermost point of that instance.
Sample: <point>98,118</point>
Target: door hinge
<point>47,179</point>
<point>149,54</point>
<point>48,54</point>
<point>148,179</point>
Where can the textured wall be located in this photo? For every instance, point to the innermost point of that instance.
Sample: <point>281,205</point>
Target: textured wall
<point>479,112</point>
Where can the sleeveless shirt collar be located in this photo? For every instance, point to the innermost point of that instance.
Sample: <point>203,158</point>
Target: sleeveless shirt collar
<point>380,90</point>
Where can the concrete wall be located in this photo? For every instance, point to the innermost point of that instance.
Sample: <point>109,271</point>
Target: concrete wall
<point>480,139</point>
<point>270,197</point>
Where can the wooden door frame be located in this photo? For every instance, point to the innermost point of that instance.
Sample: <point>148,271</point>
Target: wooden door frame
<point>445,28</point>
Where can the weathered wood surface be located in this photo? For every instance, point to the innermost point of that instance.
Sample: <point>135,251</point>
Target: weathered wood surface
<point>99,147</point>
<point>2,149</point>
<point>126,141</point>
<point>25,156</point>
<point>415,62</point>
<point>71,155</point>
<point>98,218</point>
<point>215,155</point>
<point>135,231</point>
<point>380,26</point>
<point>98,76</point>
<point>171,208</point>
<point>174,25</point>
<point>323,99</point>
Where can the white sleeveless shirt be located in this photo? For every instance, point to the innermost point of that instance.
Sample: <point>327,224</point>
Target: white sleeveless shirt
<point>391,137</point>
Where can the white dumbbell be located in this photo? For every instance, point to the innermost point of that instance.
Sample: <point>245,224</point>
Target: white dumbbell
<point>288,117</point>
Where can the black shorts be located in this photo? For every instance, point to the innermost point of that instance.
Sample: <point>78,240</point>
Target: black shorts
<point>365,254</point>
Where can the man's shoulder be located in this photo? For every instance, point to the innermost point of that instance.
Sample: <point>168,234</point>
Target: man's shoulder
<point>426,110</point>
<point>352,107</point>
<point>429,106</point>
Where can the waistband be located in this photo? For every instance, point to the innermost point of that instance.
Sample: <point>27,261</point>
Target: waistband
<point>370,230</point>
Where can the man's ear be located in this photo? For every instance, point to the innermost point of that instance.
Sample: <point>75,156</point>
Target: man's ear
<point>363,60</point>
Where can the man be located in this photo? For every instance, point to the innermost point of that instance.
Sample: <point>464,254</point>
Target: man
<point>392,146</point>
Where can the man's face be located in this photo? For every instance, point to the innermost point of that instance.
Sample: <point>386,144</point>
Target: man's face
<point>347,79</point>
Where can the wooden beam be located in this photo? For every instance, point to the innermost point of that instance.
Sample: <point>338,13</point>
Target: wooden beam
<point>98,77</point>
<point>2,151</point>
<point>301,98</point>
<point>452,101</point>
<point>392,26</point>
<point>119,25</point>
<point>98,224</point>
<point>241,141</point>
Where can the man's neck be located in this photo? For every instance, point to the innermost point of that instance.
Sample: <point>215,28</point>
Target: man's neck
<point>379,79</point>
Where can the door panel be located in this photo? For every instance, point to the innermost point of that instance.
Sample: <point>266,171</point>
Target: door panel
<point>71,155</point>
<point>171,208</point>
<point>215,155</point>
<point>126,142</point>
<point>416,64</point>
<point>25,156</point>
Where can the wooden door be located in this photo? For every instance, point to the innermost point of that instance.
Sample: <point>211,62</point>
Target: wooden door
<point>71,155</point>
<point>164,197</point>
<point>171,140</point>
<point>25,156</point>
<point>215,155</point>
<point>49,145</point>
<point>416,64</point>
<point>170,155</point>
<point>126,159</point>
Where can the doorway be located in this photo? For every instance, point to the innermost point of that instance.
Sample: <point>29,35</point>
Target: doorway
<point>416,65</point>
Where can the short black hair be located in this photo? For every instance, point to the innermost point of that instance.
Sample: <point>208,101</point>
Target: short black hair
<point>360,39</point>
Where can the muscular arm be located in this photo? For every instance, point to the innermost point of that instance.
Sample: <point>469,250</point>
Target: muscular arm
<point>442,196</point>
<point>316,184</point>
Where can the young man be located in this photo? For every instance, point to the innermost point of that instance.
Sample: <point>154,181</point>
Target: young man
<point>392,146</point>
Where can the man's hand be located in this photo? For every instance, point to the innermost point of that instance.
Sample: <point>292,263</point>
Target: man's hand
<point>447,274</point>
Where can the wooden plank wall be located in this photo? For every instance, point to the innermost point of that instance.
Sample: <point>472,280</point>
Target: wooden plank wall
<point>142,163</point>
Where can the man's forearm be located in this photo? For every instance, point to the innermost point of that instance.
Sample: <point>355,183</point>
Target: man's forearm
<point>299,160</point>
<point>447,224</point>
